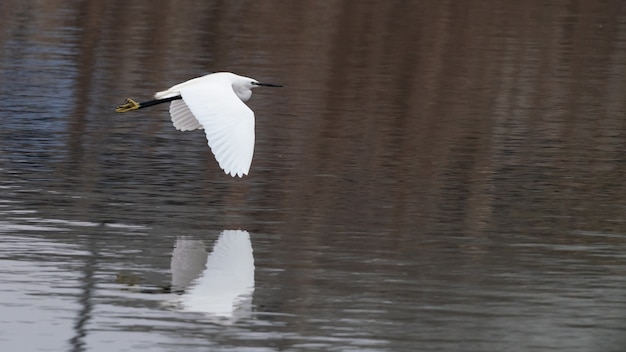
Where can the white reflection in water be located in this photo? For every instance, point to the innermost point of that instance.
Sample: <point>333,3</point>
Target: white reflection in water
<point>220,283</point>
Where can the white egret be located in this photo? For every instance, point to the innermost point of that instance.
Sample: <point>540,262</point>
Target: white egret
<point>214,102</point>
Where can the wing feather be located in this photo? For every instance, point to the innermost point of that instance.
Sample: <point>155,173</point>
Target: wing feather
<point>228,124</point>
<point>182,118</point>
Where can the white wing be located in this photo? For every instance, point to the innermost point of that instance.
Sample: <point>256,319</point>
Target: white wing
<point>182,118</point>
<point>228,124</point>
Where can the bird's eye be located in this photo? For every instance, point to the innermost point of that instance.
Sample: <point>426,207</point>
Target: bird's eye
<point>253,83</point>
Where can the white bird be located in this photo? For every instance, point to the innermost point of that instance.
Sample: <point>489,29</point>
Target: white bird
<point>214,102</point>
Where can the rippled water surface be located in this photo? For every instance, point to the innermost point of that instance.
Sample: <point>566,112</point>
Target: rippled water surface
<point>434,176</point>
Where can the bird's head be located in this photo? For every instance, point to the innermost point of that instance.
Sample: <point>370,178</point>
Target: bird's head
<point>243,86</point>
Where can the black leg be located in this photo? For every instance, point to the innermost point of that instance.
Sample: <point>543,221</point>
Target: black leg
<point>133,105</point>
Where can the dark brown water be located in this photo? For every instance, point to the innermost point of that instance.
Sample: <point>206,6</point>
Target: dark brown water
<point>435,176</point>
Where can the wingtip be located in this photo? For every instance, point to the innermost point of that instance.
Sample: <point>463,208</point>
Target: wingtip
<point>234,173</point>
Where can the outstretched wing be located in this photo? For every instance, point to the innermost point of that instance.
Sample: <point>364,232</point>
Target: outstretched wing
<point>227,122</point>
<point>182,118</point>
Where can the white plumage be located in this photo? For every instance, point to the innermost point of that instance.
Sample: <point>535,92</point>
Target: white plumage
<point>215,102</point>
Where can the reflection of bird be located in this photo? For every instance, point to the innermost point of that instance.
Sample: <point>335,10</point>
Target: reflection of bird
<point>227,283</point>
<point>188,262</point>
<point>214,102</point>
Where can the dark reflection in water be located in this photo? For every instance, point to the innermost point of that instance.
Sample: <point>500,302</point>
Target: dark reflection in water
<point>437,176</point>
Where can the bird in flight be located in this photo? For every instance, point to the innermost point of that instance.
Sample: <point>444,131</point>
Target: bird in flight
<point>214,102</point>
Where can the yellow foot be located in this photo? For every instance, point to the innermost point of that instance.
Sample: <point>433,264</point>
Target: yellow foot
<point>130,105</point>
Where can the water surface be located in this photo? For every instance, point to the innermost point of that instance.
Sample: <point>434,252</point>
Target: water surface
<point>434,176</point>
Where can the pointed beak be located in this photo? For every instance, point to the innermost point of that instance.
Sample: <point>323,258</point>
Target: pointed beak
<point>268,85</point>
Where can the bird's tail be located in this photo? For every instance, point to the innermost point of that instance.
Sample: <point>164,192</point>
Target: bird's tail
<point>164,94</point>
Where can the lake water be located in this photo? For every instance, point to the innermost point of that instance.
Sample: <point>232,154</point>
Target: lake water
<point>434,176</point>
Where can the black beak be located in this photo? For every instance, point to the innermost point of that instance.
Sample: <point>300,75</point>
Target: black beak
<point>268,85</point>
